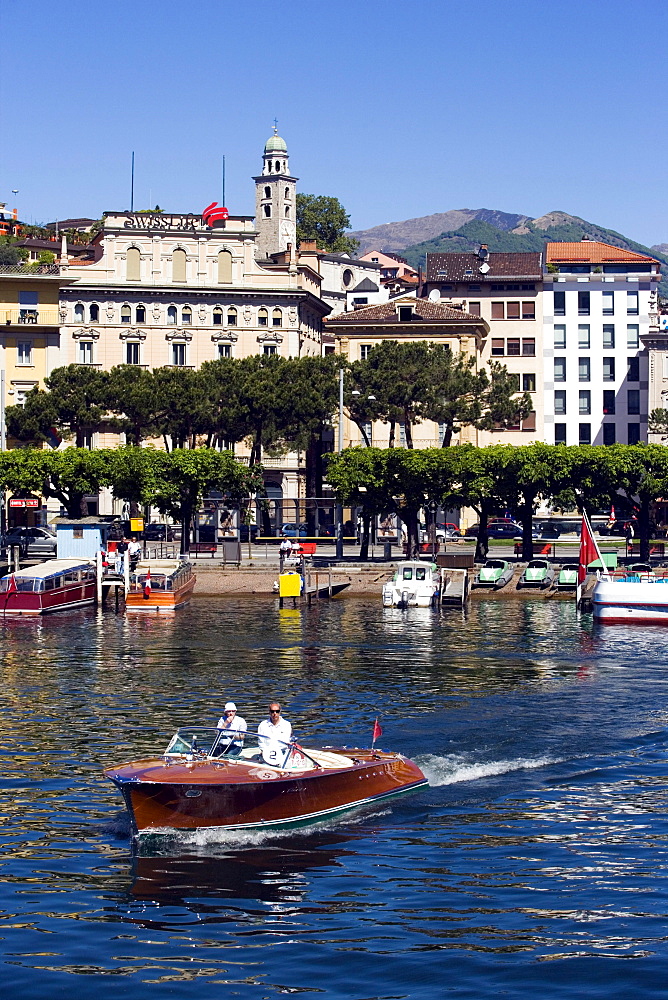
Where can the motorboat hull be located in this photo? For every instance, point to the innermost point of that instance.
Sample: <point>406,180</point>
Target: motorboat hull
<point>161,601</point>
<point>163,796</point>
<point>621,602</point>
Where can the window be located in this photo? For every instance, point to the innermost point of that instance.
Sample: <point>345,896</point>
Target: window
<point>528,310</point>
<point>584,433</point>
<point>287,211</point>
<point>584,402</point>
<point>474,308</point>
<point>368,430</point>
<point>633,433</point>
<point>126,314</point>
<point>269,349</point>
<point>633,401</point>
<point>633,370</point>
<point>512,310</point>
<point>631,303</point>
<point>560,402</point>
<point>141,314</point>
<point>560,369</point>
<point>224,350</point>
<point>514,380</point>
<point>365,350</point>
<point>498,312</point>
<point>186,316</point>
<point>608,336</point>
<point>262,317</point>
<point>529,422</point>
<point>286,193</point>
<point>608,303</point>
<point>528,347</point>
<point>498,347</point>
<point>609,435</point>
<point>171,315</point>
<point>405,314</point>
<point>277,317</point>
<point>267,211</point>
<point>513,347</point>
<point>560,303</point>
<point>608,369</point>
<point>360,302</point>
<point>179,265</point>
<point>217,316</point>
<point>608,400</point>
<point>560,337</point>
<point>224,267</point>
<point>528,383</point>
<point>85,352</point>
<point>583,303</point>
<point>267,191</point>
<point>232,316</point>
<point>24,352</point>
<point>132,353</point>
<point>79,313</point>
<point>584,370</point>
<point>584,338</point>
<point>178,355</point>
<point>560,433</point>
<point>132,264</point>
<point>94,313</point>
<point>633,336</point>
<point>347,277</point>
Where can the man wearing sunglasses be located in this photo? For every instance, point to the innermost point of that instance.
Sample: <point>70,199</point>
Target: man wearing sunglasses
<point>231,742</point>
<point>274,732</point>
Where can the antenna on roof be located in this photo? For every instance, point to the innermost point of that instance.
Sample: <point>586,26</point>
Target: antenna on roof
<point>132,185</point>
<point>223,201</point>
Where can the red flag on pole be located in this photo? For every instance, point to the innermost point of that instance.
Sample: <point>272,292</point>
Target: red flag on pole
<point>11,586</point>
<point>377,731</point>
<point>147,585</point>
<point>588,549</point>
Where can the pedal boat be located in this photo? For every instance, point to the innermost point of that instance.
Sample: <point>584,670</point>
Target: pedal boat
<point>495,574</point>
<point>538,573</point>
<point>197,783</point>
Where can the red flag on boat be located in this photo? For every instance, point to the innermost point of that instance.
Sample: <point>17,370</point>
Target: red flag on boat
<point>11,586</point>
<point>147,584</point>
<point>377,732</point>
<point>588,549</point>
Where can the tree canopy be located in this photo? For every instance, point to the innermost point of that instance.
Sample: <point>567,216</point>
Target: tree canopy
<point>324,219</point>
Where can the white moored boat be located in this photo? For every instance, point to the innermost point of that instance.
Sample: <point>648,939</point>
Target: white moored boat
<point>631,597</point>
<point>415,584</point>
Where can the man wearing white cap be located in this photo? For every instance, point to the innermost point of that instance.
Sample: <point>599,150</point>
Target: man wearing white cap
<point>231,744</point>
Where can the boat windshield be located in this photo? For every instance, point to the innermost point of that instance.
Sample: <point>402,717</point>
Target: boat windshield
<point>249,748</point>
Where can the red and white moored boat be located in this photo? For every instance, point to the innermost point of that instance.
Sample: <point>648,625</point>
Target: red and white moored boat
<point>55,585</point>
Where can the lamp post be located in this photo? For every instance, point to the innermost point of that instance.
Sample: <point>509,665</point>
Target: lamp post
<point>433,507</point>
<point>339,506</point>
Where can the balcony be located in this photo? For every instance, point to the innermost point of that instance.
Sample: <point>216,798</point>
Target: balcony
<point>30,316</point>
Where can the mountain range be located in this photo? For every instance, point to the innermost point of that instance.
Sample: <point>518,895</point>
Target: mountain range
<point>465,229</point>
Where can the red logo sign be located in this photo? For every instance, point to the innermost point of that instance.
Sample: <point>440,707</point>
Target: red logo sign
<point>213,212</point>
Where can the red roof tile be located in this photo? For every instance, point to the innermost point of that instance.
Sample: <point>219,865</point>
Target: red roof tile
<point>593,252</point>
<point>466,266</point>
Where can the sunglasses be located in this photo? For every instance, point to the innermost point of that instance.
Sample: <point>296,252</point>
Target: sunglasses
<point>274,711</point>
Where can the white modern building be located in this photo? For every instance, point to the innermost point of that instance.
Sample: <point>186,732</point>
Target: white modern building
<point>597,304</point>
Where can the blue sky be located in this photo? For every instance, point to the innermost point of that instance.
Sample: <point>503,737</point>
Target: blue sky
<point>400,109</point>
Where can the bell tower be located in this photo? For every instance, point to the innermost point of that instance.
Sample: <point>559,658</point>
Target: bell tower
<point>275,194</point>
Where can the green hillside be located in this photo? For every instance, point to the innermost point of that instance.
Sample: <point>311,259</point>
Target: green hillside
<point>472,234</point>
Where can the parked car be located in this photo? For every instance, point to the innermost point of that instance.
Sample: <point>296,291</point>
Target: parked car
<point>445,531</point>
<point>157,532</point>
<point>497,529</point>
<point>620,527</point>
<point>293,530</point>
<point>246,529</point>
<point>33,542</point>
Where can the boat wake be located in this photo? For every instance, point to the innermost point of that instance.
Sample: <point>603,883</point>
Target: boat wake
<point>454,768</point>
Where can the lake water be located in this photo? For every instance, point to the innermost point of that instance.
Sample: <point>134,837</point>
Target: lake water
<point>535,864</point>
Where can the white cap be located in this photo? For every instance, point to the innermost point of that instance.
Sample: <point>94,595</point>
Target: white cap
<point>230,707</point>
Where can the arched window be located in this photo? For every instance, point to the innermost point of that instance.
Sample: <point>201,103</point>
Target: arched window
<point>231,316</point>
<point>126,314</point>
<point>171,315</point>
<point>267,211</point>
<point>217,316</point>
<point>277,317</point>
<point>287,211</point>
<point>262,317</point>
<point>94,313</point>
<point>285,166</point>
<point>287,192</point>
<point>224,267</point>
<point>79,313</point>
<point>269,166</point>
<point>278,167</point>
<point>186,316</point>
<point>267,191</point>
<point>132,264</point>
<point>141,314</point>
<point>347,277</point>
<point>179,265</point>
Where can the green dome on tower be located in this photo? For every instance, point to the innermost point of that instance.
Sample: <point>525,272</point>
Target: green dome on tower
<point>275,144</point>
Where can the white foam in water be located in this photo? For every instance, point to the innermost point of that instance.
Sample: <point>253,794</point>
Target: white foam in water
<point>452,769</point>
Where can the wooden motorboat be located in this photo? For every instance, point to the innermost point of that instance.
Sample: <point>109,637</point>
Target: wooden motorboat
<point>197,784</point>
<point>414,584</point>
<point>54,585</point>
<point>160,585</point>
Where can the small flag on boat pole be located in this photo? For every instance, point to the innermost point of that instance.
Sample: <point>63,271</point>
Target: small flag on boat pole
<point>589,551</point>
<point>377,732</point>
<point>147,584</point>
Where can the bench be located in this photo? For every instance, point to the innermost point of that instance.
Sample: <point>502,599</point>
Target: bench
<point>198,547</point>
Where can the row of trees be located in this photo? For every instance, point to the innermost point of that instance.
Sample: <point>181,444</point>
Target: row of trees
<point>173,482</point>
<point>502,478</point>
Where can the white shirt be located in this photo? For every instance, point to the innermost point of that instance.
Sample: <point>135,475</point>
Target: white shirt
<point>235,723</point>
<point>273,751</point>
<point>134,549</point>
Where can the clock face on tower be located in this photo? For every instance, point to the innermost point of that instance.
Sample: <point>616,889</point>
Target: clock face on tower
<point>286,228</point>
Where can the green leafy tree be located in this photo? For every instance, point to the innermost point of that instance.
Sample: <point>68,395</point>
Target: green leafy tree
<point>183,406</point>
<point>324,219</point>
<point>133,475</point>
<point>658,422</point>
<point>132,394</point>
<point>74,403</point>
<point>642,475</point>
<point>68,475</point>
<point>10,253</point>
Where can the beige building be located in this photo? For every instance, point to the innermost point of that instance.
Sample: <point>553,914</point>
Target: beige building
<point>406,319</point>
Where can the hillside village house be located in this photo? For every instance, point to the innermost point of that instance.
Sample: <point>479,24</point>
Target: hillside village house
<point>600,311</point>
